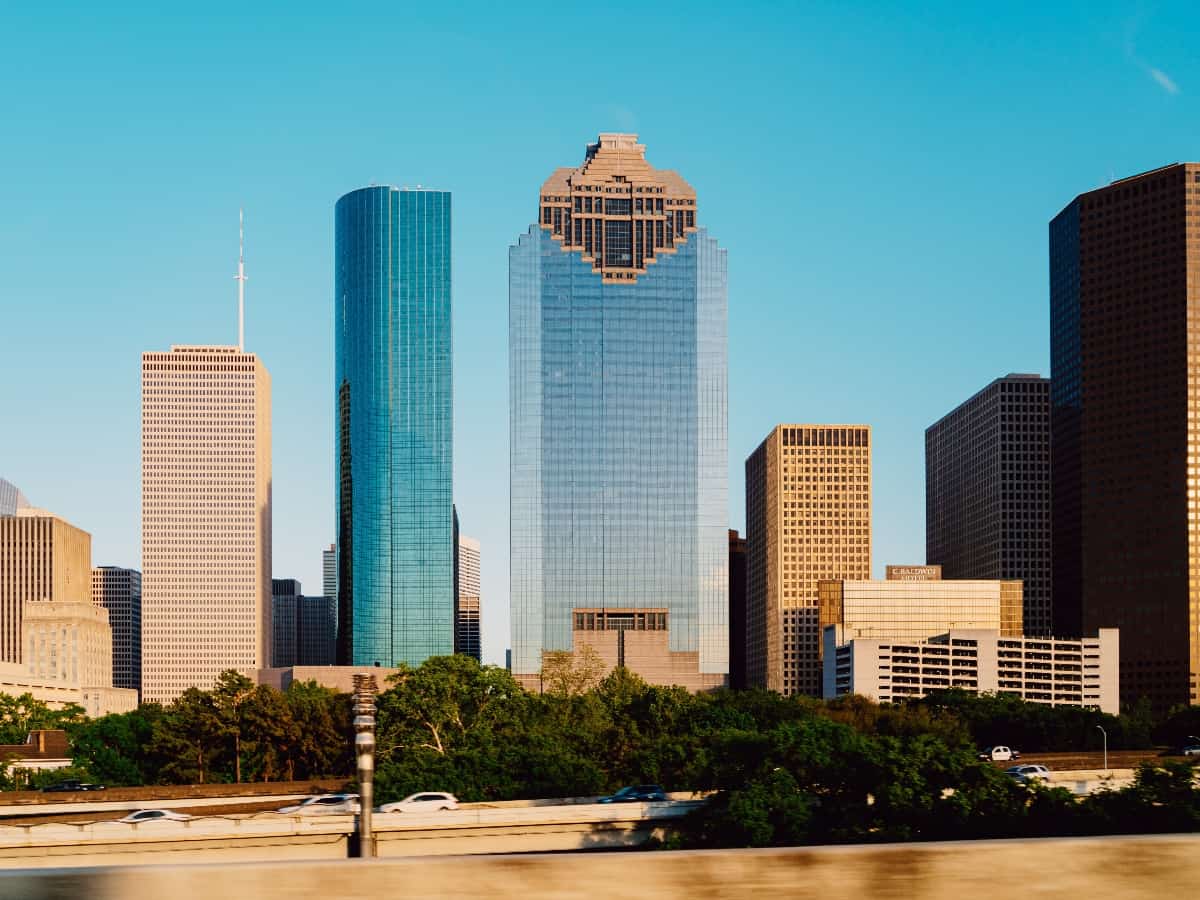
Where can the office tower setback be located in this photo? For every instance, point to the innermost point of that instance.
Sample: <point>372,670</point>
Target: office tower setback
<point>466,591</point>
<point>206,517</point>
<point>1125,426</point>
<point>42,558</point>
<point>285,602</point>
<point>987,491</point>
<point>392,396</point>
<point>737,610</point>
<point>808,518</point>
<point>120,592</point>
<point>618,431</point>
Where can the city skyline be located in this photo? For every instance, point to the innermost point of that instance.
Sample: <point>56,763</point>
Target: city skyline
<point>914,286</point>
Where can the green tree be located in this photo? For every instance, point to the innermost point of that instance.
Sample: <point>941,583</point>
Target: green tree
<point>230,696</point>
<point>189,737</point>
<point>22,714</point>
<point>323,733</point>
<point>119,749</point>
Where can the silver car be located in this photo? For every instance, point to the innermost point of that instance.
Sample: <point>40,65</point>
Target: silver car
<point>1028,773</point>
<point>324,805</point>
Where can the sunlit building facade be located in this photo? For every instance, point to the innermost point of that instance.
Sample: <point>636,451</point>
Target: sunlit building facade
<point>395,550</point>
<point>42,558</point>
<point>206,517</point>
<point>618,429</point>
<point>808,518</point>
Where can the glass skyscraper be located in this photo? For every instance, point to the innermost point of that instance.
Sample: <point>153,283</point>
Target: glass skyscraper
<point>618,428</point>
<point>394,429</point>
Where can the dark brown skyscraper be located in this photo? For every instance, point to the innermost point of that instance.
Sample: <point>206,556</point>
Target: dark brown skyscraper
<point>987,491</point>
<point>1124,357</point>
<point>737,610</point>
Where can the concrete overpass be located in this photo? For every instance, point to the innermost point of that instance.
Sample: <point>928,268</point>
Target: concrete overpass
<point>1157,867</point>
<point>502,828</point>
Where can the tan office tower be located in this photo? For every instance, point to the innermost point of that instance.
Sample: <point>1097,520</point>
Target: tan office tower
<point>206,517</point>
<point>466,597</point>
<point>808,519</point>
<point>42,557</point>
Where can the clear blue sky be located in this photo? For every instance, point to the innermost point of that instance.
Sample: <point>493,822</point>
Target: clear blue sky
<point>882,179</point>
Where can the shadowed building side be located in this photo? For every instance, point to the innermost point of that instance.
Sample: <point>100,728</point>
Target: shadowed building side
<point>1125,426</point>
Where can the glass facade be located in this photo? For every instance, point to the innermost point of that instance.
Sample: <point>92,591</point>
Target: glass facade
<point>618,430</point>
<point>394,428</point>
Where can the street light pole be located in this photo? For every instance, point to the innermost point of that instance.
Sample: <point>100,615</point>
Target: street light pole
<point>365,689</point>
<point>1105,733</point>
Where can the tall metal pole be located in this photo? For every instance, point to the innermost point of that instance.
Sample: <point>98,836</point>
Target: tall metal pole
<point>365,689</point>
<point>240,277</point>
<point>1105,733</point>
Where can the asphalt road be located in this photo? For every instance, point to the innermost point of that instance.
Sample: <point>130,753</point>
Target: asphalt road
<point>1085,760</point>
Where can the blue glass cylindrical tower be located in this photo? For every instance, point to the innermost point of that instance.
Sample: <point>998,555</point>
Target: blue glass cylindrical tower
<point>393,420</point>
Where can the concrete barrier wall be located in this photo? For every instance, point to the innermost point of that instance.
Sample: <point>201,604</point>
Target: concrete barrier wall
<point>1138,867</point>
<point>268,837</point>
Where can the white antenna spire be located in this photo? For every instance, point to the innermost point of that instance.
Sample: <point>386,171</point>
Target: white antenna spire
<point>240,278</point>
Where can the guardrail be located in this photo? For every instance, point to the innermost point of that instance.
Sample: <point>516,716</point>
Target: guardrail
<point>269,836</point>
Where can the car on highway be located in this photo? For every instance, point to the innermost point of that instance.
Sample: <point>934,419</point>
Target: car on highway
<point>1191,750</point>
<point>323,805</point>
<point>636,793</point>
<point>999,753</point>
<point>142,816</point>
<point>1028,773</point>
<point>71,785</point>
<point>430,801</point>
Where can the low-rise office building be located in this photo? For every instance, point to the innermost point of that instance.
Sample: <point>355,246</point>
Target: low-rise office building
<point>637,639</point>
<point>914,603</point>
<point>1058,672</point>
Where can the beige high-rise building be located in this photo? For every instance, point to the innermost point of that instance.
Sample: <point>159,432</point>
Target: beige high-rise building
<point>42,558</point>
<point>206,517</point>
<point>808,519</point>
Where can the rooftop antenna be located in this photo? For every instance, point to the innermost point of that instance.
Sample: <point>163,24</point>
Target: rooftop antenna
<point>240,278</point>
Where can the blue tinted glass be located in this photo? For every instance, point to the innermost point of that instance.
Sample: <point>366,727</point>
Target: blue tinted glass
<point>618,433</point>
<point>393,420</point>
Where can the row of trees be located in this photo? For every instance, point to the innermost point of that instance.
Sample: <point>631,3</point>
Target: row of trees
<point>788,770</point>
<point>239,731</point>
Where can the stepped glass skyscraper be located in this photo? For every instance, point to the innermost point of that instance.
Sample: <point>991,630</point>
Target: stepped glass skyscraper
<point>618,429</point>
<point>206,517</point>
<point>392,397</point>
<point>1125,426</point>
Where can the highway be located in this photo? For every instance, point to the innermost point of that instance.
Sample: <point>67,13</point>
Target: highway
<point>519,827</point>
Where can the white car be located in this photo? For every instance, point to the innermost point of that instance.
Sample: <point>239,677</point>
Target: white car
<point>323,805</point>
<point>143,816</point>
<point>999,754</point>
<point>429,801</point>
<point>1028,773</point>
